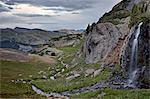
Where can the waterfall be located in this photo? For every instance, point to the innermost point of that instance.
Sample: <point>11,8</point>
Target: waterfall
<point>133,66</point>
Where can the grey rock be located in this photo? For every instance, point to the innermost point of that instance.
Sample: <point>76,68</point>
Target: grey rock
<point>100,41</point>
<point>73,76</point>
<point>97,72</point>
<point>89,72</point>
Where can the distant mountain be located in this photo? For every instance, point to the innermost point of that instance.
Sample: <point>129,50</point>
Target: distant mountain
<point>13,38</point>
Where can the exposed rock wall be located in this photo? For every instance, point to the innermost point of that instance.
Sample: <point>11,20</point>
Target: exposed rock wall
<point>102,39</point>
<point>143,58</point>
<point>109,41</point>
<point>144,53</point>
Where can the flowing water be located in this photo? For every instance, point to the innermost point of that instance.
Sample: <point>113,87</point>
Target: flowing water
<point>133,66</point>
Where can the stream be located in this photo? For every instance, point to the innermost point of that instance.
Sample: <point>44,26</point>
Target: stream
<point>66,94</point>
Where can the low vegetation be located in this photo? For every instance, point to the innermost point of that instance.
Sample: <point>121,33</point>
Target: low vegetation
<point>61,84</point>
<point>15,77</point>
<point>139,13</point>
<point>111,16</point>
<point>115,94</point>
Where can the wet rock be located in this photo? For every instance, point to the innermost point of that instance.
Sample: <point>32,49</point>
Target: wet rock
<point>143,52</point>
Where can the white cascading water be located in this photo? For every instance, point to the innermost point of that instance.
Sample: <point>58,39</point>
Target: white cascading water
<point>133,66</point>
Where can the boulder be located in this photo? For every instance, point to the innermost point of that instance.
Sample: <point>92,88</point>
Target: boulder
<point>100,41</point>
<point>89,72</point>
<point>73,76</point>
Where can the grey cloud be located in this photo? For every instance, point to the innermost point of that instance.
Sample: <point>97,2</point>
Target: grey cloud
<point>75,13</point>
<point>40,23</point>
<point>32,15</point>
<point>73,4</point>
<point>4,8</point>
<point>59,9</point>
<point>4,19</point>
<point>91,10</point>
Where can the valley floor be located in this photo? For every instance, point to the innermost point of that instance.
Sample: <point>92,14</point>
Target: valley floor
<point>17,77</point>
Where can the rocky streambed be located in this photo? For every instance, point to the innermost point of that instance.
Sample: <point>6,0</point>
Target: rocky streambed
<point>66,94</point>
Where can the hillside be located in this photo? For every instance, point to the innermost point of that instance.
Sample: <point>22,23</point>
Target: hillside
<point>110,60</point>
<point>110,41</point>
<point>26,39</point>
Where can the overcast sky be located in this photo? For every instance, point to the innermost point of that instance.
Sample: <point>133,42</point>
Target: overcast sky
<point>52,14</point>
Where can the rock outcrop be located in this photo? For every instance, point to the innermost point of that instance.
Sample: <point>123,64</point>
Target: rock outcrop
<point>144,53</point>
<point>143,58</point>
<point>109,41</point>
<point>100,41</point>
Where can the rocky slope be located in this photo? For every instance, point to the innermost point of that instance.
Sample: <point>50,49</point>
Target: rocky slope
<point>106,40</point>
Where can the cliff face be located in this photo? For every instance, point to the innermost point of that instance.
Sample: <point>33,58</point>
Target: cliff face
<point>109,40</point>
<point>143,54</point>
<point>106,37</point>
<point>102,39</point>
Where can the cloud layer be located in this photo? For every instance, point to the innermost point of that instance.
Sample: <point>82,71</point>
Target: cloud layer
<point>42,13</point>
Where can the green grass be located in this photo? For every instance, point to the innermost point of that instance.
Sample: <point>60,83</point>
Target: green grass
<point>114,17</point>
<point>86,95</point>
<point>61,84</point>
<point>139,14</point>
<point>115,94</point>
<point>11,70</point>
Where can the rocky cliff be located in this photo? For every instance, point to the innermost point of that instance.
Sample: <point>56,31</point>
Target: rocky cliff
<point>109,40</point>
<point>109,33</point>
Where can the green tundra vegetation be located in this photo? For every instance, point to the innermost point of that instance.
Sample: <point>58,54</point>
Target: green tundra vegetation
<point>139,13</point>
<point>114,94</point>
<point>22,71</point>
<point>17,77</point>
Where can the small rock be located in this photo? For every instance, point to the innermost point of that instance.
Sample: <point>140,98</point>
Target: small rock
<point>66,65</point>
<point>52,78</point>
<point>57,70</point>
<point>30,76</point>
<point>44,77</point>
<point>20,75</point>
<point>49,68</point>
<point>24,82</point>
<point>89,72</point>
<point>101,95</point>
<point>63,70</point>
<point>73,76</point>
<point>97,72</point>
<point>40,72</point>
<point>12,80</point>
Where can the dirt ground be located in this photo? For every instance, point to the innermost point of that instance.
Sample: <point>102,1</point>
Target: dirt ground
<point>15,55</point>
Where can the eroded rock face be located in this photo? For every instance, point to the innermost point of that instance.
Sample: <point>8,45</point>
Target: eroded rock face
<point>102,39</point>
<point>109,43</point>
<point>144,53</point>
<point>143,58</point>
